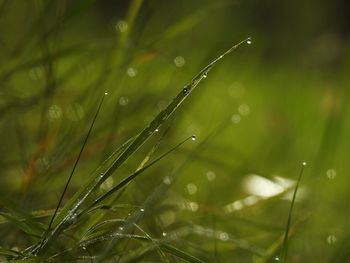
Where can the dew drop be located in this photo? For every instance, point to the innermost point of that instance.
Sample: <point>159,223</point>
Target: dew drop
<point>277,258</point>
<point>164,234</point>
<point>54,112</point>
<point>167,180</point>
<point>191,189</point>
<point>223,236</point>
<point>237,205</point>
<point>185,91</point>
<point>123,101</point>
<point>193,137</point>
<point>249,41</point>
<point>156,130</point>
<point>121,228</point>
<point>106,93</point>
<point>205,75</point>
<point>132,72</point>
<point>192,206</point>
<point>331,173</point>
<point>236,118</point>
<point>142,210</point>
<point>121,26</point>
<point>304,163</point>
<point>331,239</point>
<point>179,61</point>
<point>244,109</point>
<point>211,175</point>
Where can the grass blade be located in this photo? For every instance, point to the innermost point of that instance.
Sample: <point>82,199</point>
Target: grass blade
<point>131,177</point>
<point>68,214</point>
<point>284,249</point>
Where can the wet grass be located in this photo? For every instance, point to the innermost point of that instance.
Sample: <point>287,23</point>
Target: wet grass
<point>115,150</point>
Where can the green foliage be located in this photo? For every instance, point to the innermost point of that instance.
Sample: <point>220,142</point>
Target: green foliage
<point>151,174</point>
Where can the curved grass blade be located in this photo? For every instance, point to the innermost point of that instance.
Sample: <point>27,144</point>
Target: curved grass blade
<point>68,214</point>
<point>284,249</point>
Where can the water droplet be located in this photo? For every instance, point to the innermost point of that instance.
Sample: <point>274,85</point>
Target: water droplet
<point>223,236</point>
<point>243,109</point>
<point>156,130</point>
<point>277,258</point>
<point>121,26</point>
<point>73,217</point>
<point>164,234</point>
<point>237,205</point>
<point>106,93</point>
<point>304,163</point>
<point>331,173</point>
<point>121,228</point>
<point>191,189</point>
<point>123,101</point>
<point>142,210</point>
<point>179,61</point>
<point>250,200</point>
<point>193,137</point>
<point>167,180</point>
<point>249,41</point>
<point>205,75</point>
<point>236,118</point>
<point>75,112</point>
<point>54,112</point>
<point>83,248</point>
<point>331,239</point>
<point>132,72</point>
<point>192,206</point>
<point>36,73</point>
<point>107,185</point>
<point>211,175</point>
<point>185,90</point>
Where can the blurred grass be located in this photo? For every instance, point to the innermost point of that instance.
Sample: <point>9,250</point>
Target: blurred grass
<point>270,106</point>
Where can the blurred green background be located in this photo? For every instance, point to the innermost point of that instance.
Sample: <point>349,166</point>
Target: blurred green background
<point>258,115</point>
